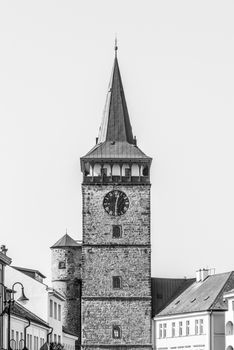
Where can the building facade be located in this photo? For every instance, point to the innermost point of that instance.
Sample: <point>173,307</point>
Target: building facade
<point>116,251</point>
<point>229,320</point>
<point>195,318</point>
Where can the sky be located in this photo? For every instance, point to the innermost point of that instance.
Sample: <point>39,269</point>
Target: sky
<point>177,64</point>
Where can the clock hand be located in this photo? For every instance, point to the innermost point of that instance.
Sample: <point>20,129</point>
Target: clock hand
<point>116,202</point>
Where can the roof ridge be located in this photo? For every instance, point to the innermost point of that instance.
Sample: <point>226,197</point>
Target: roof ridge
<point>30,313</point>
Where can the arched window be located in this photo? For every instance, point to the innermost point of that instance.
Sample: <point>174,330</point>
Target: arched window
<point>116,332</point>
<point>229,328</point>
<point>116,282</point>
<point>229,347</point>
<point>145,171</point>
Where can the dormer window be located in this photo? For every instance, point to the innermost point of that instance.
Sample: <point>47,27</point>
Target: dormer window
<point>62,265</point>
<point>116,282</point>
<point>116,332</point>
<point>116,231</point>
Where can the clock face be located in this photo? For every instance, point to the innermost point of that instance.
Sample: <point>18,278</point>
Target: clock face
<point>116,203</point>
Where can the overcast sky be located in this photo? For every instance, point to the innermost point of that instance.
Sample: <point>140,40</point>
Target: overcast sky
<point>177,64</point>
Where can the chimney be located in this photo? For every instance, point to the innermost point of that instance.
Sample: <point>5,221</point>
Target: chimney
<point>201,275</point>
<point>4,249</point>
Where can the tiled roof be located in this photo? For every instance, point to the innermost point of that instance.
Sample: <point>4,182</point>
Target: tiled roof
<point>116,123</point>
<point>116,150</point>
<point>66,241</point>
<point>164,290</point>
<point>202,296</point>
<point>66,330</point>
<point>20,311</point>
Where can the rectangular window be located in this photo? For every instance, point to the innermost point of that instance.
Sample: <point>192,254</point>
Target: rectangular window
<point>59,339</point>
<point>116,332</point>
<point>55,338</point>
<point>30,342</point>
<point>59,312</point>
<point>12,334</point>
<point>116,231</point>
<point>196,327</point>
<point>173,329</point>
<point>16,339</point>
<point>164,330</point>
<point>116,282</point>
<point>201,326</point>
<point>180,328</point>
<point>187,328</point>
<point>55,310</point>
<point>51,308</point>
<point>160,330</point>
<point>35,343</point>
<point>62,265</point>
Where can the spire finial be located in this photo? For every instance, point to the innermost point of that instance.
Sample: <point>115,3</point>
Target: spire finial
<point>116,46</point>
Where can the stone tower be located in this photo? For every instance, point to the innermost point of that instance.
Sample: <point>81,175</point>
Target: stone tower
<point>66,279</point>
<point>116,251</point>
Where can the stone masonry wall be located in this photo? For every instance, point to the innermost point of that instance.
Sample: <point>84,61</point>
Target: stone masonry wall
<point>68,282</point>
<point>99,317</point>
<point>104,257</point>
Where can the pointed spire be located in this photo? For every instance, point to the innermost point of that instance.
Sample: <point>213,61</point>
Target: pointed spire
<point>116,124</point>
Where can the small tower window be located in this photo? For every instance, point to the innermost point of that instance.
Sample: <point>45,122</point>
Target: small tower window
<point>62,265</point>
<point>127,172</point>
<point>103,171</point>
<point>116,231</point>
<point>116,282</point>
<point>145,171</point>
<point>116,332</point>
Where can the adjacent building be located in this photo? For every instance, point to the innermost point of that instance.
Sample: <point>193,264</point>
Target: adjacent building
<point>229,320</point>
<point>195,318</point>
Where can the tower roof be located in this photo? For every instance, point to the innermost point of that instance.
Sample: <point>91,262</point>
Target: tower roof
<point>116,124</point>
<point>66,241</point>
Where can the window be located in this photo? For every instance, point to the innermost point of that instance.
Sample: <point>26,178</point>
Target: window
<point>59,312</point>
<point>30,342</point>
<point>116,231</point>
<point>164,330</point>
<point>173,329</point>
<point>187,327</point>
<point>59,339</point>
<point>116,282</point>
<point>232,305</point>
<point>180,328</point>
<point>16,339</point>
<point>55,338</point>
<point>103,171</point>
<point>116,333</point>
<point>196,327</point>
<point>201,326</point>
<point>55,310</point>
<point>51,308</point>
<point>160,330</point>
<point>12,334</point>
<point>127,172</point>
<point>229,328</point>
<point>145,171</point>
<point>62,265</point>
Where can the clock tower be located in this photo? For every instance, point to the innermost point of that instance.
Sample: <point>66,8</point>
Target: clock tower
<point>116,253</point>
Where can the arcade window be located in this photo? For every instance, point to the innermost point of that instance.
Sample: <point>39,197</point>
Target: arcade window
<point>127,172</point>
<point>116,282</point>
<point>116,332</point>
<point>62,265</point>
<point>116,231</point>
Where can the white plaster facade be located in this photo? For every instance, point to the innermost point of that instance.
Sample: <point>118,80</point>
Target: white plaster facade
<point>45,303</point>
<point>200,331</point>
<point>229,321</point>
